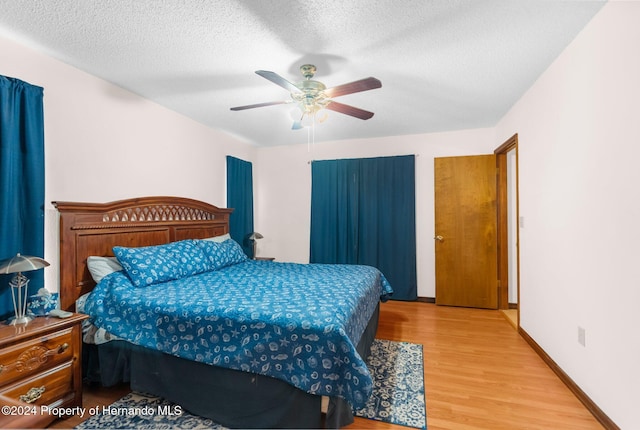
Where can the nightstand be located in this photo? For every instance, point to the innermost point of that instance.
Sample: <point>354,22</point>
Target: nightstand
<point>40,362</point>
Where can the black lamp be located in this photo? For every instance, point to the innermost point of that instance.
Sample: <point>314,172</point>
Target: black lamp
<point>19,283</point>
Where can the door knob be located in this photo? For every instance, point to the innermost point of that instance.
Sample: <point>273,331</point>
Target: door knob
<point>439,238</point>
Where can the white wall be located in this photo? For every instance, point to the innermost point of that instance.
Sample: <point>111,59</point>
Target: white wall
<point>282,176</point>
<point>103,143</point>
<point>579,147</point>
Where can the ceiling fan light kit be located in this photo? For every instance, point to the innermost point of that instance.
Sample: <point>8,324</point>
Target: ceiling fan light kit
<point>310,96</point>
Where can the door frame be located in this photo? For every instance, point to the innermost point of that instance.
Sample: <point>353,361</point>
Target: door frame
<point>503,226</point>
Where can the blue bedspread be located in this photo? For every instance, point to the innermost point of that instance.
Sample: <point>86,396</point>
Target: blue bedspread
<point>295,322</point>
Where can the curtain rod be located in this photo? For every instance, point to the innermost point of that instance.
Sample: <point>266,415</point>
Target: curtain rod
<point>415,155</point>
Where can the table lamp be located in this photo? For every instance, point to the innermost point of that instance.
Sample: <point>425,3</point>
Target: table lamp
<point>254,236</point>
<point>19,283</point>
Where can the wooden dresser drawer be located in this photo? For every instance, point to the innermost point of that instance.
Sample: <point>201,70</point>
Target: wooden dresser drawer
<point>43,356</point>
<point>36,355</point>
<point>52,385</point>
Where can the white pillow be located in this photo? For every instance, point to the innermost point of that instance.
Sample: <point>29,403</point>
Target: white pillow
<point>220,238</point>
<point>99,267</point>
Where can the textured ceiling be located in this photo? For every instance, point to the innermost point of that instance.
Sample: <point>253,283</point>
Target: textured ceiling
<point>444,64</point>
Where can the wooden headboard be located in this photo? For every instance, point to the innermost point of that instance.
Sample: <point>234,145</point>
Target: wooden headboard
<point>95,228</point>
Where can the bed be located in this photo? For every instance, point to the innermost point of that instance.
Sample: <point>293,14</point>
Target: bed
<point>246,343</point>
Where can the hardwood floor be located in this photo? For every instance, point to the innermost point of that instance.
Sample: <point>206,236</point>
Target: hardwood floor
<point>479,373</point>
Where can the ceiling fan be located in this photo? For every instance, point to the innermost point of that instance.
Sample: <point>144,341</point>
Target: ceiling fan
<point>310,96</point>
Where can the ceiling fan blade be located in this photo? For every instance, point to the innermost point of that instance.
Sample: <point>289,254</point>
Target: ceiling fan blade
<point>353,87</point>
<point>278,80</point>
<point>349,110</point>
<point>257,105</point>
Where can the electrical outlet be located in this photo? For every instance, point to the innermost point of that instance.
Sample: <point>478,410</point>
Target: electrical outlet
<point>581,336</point>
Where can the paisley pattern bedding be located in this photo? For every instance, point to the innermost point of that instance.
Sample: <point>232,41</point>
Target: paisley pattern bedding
<point>295,322</point>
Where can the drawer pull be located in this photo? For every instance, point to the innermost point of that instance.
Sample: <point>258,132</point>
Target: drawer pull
<point>32,395</point>
<point>34,357</point>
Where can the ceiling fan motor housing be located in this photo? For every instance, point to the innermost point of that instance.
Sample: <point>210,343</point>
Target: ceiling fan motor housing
<point>311,98</point>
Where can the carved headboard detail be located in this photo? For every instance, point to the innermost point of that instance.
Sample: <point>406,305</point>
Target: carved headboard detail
<point>158,213</point>
<point>95,228</point>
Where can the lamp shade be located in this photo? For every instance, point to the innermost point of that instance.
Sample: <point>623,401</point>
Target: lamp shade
<point>255,235</point>
<point>21,263</point>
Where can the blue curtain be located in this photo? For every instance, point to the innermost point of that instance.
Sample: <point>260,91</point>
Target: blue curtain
<point>240,198</point>
<point>363,212</point>
<point>21,180</point>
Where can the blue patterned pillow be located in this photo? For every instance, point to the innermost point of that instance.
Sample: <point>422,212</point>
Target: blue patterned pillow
<point>222,254</point>
<point>153,264</point>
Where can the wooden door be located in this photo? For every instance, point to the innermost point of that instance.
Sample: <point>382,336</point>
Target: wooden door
<point>466,231</point>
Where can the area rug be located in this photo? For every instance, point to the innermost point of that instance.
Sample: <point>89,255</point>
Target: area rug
<point>398,384</point>
<point>398,397</point>
<point>141,411</point>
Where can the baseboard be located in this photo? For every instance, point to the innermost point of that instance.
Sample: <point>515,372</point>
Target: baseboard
<point>426,299</point>
<point>575,389</point>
